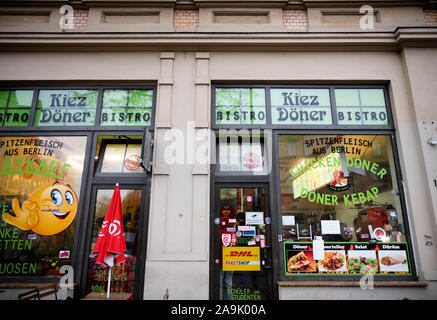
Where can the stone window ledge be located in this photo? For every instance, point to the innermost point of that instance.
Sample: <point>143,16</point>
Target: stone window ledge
<point>351,284</point>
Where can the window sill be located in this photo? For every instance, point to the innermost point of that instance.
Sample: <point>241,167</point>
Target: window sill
<point>351,284</point>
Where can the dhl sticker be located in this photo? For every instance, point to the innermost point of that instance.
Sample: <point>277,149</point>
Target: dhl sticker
<point>241,259</point>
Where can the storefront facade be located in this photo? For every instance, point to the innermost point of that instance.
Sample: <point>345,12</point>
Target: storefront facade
<point>54,149</point>
<point>291,158</point>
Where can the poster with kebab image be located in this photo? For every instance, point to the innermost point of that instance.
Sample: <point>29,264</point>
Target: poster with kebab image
<point>393,258</point>
<point>353,258</point>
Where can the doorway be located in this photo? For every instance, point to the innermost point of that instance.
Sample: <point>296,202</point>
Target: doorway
<point>242,242</point>
<point>117,160</point>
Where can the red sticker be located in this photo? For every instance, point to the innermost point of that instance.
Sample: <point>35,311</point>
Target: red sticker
<point>251,160</point>
<point>132,162</point>
<point>377,216</point>
<point>379,234</point>
<point>234,238</point>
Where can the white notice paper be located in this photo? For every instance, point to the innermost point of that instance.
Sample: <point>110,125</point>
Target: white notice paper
<point>253,218</point>
<point>288,221</point>
<point>318,248</point>
<point>330,226</point>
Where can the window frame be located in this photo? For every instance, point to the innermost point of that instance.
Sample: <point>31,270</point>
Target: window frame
<point>104,144</point>
<point>100,88</point>
<point>89,180</point>
<point>82,208</point>
<point>265,142</point>
<point>273,179</point>
<point>268,107</point>
<point>400,193</point>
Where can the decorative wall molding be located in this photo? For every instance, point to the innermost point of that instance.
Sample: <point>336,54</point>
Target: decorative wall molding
<point>295,41</point>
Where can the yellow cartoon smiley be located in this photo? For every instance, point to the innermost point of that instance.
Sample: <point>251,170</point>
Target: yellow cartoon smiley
<point>49,210</point>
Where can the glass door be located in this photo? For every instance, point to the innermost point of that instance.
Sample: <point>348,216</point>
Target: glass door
<point>123,276</point>
<point>243,258</point>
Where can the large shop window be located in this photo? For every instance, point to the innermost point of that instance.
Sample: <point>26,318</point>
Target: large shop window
<point>55,188</point>
<point>40,188</point>
<point>340,208</point>
<point>343,189</point>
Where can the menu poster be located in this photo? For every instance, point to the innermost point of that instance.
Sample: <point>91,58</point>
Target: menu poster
<point>299,258</point>
<point>350,258</point>
<point>362,258</point>
<point>393,258</point>
<point>335,259</point>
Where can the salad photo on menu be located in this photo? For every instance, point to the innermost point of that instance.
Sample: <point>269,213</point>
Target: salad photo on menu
<point>362,261</point>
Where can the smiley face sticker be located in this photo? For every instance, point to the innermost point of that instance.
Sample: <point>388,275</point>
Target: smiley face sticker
<point>49,210</point>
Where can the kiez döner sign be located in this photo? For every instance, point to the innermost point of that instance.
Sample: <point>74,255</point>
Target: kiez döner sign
<point>300,106</point>
<point>64,109</point>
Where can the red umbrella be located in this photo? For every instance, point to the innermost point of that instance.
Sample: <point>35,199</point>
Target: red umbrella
<point>111,245</point>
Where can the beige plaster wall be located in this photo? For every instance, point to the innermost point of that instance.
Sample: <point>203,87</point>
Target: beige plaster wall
<point>348,19</point>
<point>129,19</point>
<point>420,66</point>
<point>79,66</point>
<point>178,238</point>
<point>29,19</point>
<point>240,19</point>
